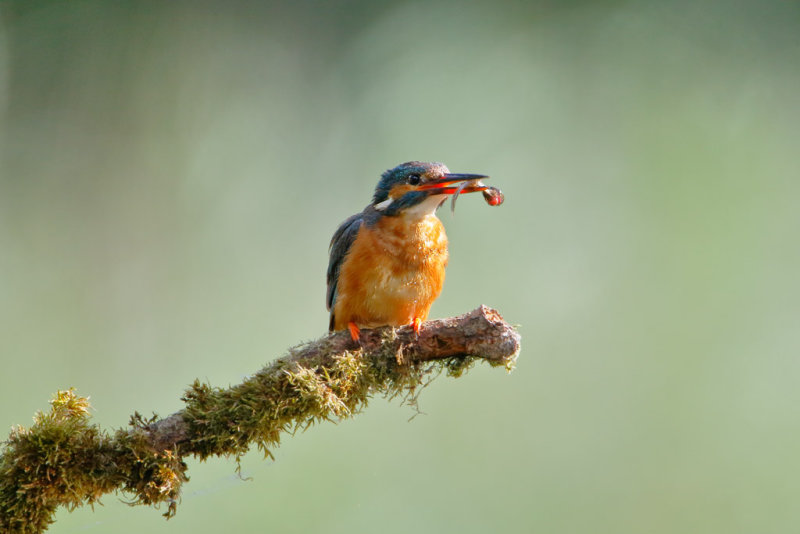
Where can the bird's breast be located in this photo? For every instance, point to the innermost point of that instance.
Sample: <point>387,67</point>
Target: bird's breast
<point>412,242</point>
<point>394,270</point>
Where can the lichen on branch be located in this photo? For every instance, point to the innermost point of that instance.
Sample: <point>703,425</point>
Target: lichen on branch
<point>64,460</point>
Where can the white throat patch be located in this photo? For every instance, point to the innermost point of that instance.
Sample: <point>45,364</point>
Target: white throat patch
<point>426,207</point>
<point>418,211</point>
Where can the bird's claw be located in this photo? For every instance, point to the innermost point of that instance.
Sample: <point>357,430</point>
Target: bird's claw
<point>355,332</point>
<point>416,324</point>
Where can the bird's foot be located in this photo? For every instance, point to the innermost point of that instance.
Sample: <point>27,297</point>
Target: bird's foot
<point>416,324</point>
<point>355,332</point>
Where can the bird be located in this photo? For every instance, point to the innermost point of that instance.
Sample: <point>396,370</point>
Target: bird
<point>387,264</point>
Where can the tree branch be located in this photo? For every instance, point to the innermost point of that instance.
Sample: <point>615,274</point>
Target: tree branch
<point>64,460</point>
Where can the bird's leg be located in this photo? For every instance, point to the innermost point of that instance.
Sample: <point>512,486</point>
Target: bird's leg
<point>355,333</point>
<point>416,324</point>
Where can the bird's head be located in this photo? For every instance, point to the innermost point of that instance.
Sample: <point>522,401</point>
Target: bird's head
<point>418,188</point>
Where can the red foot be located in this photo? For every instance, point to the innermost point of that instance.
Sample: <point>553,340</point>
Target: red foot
<point>355,333</point>
<point>416,324</point>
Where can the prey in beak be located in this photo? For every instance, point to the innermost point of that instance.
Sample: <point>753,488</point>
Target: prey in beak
<point>457,183</point>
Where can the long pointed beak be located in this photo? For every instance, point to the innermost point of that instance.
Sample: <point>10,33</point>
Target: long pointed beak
<point>446,185</point>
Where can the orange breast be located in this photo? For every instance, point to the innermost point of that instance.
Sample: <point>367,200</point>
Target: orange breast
<point>392,273</point>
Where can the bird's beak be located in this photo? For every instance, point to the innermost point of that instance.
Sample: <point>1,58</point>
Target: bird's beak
<point>449,184</point>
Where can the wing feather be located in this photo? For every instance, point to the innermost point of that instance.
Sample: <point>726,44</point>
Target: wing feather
<point>341,242</point>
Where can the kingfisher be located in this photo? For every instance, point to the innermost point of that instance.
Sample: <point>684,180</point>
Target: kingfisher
<point>386,264</point>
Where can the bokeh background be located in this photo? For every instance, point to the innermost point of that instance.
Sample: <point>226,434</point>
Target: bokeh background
<point>171,173</point>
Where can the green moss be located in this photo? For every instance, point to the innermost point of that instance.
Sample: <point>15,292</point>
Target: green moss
<point>63,460</point>
<point>151,477</point>
<point>47,465</point>
<point>288,396</point>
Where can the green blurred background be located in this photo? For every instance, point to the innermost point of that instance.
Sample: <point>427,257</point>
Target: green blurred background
<point>171,173</point>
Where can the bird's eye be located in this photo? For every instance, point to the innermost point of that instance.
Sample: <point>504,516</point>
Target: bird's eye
<point>414,179</point>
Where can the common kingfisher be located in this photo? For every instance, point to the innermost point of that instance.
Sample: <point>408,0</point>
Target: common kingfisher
<point>387,263</point>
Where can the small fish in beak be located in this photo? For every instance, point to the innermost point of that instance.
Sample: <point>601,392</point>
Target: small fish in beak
<point>492,195</point>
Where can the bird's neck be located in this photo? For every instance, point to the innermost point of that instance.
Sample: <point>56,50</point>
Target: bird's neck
<point>426,208</point>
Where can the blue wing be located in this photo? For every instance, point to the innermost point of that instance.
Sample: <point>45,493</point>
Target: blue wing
<point>340,244</point>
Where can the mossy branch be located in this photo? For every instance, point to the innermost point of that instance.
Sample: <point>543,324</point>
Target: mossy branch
<point>63,460</point>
